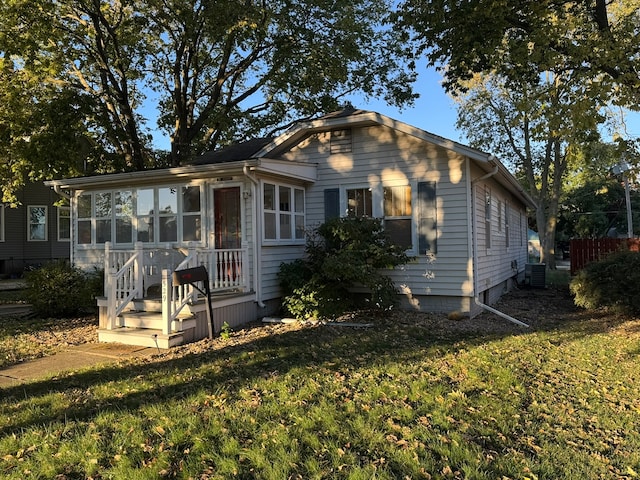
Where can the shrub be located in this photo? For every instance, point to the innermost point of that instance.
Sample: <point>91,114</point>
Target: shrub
<point>611,282</point>
<point>342,255</point>
<point>61,290</point>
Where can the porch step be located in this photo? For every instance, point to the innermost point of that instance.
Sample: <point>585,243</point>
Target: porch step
<point>144,337</point>
<point>153,321</point>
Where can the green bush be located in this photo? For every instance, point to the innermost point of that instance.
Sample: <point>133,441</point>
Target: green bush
<point>61,290</point>
<point>611,282</point>
<point>343,255</point>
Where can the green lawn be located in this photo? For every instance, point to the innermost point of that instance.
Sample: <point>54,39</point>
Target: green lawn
<point>404,399</point>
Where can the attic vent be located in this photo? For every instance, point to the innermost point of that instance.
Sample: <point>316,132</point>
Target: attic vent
<point>341,141</point>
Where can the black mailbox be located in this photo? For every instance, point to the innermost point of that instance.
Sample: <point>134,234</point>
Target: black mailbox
<point>190,275</point>
<point>193,276</point>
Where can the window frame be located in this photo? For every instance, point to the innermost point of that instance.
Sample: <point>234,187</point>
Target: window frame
<point>375,209</point>
<point>488,214</point>
<point>67,218</point>
<point>297,217</point>
<point>389,220</point>
<point>46,223</point>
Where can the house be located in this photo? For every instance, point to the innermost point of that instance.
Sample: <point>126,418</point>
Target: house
<point>35,232</point>
<point>242,211</point>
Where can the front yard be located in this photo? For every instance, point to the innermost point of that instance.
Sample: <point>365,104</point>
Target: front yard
<point>413,396</point>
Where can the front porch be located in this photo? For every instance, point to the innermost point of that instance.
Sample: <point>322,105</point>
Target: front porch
<point>142,305</point>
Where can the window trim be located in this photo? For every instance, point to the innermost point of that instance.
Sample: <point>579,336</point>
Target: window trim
<point>46,224</point>
<point>58,229</point>
<point>293,214</point>
<point>488,217</point>
<point>411,216</point>
<point>376,202</point>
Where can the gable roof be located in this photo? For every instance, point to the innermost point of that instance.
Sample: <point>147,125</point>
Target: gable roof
<point>352,117</point>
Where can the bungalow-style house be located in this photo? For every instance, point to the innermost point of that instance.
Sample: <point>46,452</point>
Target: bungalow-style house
<point>35,232</point>
<point>242,211</point>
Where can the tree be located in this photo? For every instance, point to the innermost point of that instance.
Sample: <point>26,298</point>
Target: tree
<point>231,70</point>
<point>223,70</point>
<point>593,203</point>
<point>519,40</point>
<point>539,129</point>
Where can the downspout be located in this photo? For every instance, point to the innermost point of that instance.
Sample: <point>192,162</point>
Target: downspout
<point>475,247</point>
<point>257,270</point>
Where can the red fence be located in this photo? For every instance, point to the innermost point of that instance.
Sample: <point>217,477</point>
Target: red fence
<point>585,250</point>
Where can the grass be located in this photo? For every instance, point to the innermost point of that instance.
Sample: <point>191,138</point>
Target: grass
<point>399,400</point>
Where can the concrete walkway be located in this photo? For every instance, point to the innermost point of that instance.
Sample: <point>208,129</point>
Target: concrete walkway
<point>74,358</point>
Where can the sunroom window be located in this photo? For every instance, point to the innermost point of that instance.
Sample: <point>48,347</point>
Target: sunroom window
<point>149,215</point>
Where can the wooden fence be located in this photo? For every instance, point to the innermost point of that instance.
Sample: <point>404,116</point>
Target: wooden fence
<point>585,250</point>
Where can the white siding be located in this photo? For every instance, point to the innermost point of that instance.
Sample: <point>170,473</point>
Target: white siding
<point>382,156</point>
<point>494,264</point>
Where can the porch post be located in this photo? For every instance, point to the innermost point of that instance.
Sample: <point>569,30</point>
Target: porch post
<point>107,267</point>
<point>245,266</point>
<point>138,270</point>
<point>110,288</point>
<point>166,302</point>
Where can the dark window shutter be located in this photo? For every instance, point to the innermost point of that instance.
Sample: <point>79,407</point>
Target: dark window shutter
<point>427,218</point>
<point>331,203</point>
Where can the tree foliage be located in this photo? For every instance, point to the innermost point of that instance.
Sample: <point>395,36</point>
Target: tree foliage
<point>593,203</point>
<point>595,39</point>
<point>540,129</point>
<point>220,71</point>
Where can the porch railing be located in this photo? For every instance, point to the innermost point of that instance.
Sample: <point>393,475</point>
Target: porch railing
<point>123,280</point>
<point>127,272</point>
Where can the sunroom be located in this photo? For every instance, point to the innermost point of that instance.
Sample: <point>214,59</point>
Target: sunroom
<point>141,227</point>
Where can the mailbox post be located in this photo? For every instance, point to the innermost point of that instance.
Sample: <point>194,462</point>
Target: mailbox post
<point>192,276</point>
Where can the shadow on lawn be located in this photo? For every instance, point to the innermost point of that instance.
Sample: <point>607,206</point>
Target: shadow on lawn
<point>394,338</point>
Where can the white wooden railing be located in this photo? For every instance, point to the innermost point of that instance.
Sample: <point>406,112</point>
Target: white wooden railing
<point>123,280</point>
<point>127,272</point>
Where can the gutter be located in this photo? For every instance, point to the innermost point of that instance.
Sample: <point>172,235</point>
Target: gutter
<point>493,172</point>
<point>58,189</point>
<point>257,270</point>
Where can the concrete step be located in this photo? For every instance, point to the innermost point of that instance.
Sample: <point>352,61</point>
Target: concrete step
<point>143,337</point>
<point>153,320</point>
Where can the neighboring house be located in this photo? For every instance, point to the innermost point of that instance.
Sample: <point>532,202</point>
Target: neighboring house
<point>244,210</point>
<point>34,233</point>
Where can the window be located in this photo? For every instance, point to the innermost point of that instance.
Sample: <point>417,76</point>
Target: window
<point>191,214</point>
<point>397,215</point>
<point>506,224</point>
<point>64,224</point>
<point>1,223</point>
<point>500,215</point>
<point>427,218</point>
<point>283,212</point>
<point>84,208</point>
<point>359,202</point>
<point>487,216</point>
<point>124,216</point>
<point>150,215</point>
<point>102,215</point>
<point>37,223</point>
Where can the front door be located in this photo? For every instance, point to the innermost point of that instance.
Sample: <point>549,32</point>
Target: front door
<point>227,221</point>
